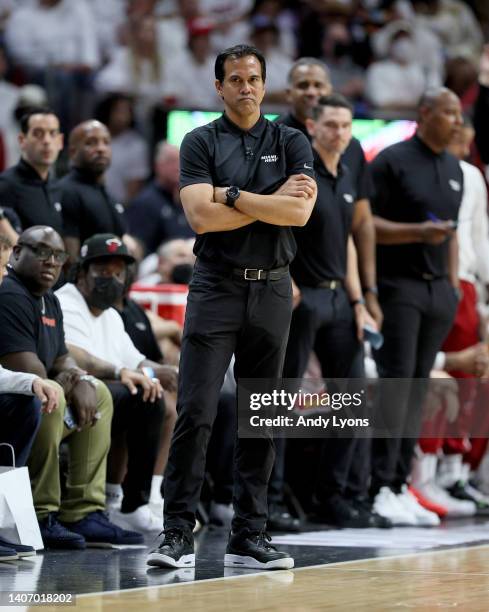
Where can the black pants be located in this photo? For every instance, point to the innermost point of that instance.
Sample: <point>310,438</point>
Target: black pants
<point>20,417</point>
<point>220,454</point>
<point>225,315</point>
<point>141,423</point>
<point>418,315</point>
<point>324,321</point>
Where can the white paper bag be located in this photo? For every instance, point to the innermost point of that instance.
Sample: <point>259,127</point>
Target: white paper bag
<point>18,521</point>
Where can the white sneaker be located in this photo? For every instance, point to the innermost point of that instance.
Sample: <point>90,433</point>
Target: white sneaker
<point>221,514</point>
<point>424,517</point>
<point>142,519</point>
<point>450,470</point>
<point>387,505</point>
<point>455,507</point>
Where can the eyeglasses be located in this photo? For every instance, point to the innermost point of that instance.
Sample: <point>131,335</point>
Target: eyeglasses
<point>45,253</point>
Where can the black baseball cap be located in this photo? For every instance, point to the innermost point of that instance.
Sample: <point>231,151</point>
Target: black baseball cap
<point>104,245</point>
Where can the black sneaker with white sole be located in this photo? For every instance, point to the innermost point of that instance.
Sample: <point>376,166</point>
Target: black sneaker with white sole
<point>252,549</point>
<point>176,550</point>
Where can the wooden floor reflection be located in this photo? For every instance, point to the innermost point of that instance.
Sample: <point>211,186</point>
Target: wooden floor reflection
<point>452,579</point>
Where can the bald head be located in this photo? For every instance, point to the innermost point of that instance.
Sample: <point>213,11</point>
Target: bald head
<point>439,117</point>
<point>308,81</point>
<point>89,147</point>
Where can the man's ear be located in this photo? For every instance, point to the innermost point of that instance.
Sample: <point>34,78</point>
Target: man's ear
<point>218,86</point>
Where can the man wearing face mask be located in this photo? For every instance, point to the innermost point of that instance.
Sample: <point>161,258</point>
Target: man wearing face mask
<point>95,336</point>
<point>397,82</point>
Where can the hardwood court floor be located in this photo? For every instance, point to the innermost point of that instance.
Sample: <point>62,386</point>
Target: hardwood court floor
<point>428,581</point>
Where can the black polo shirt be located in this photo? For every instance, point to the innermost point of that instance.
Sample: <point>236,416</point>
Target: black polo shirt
<point>36,202</point>
<point>153,217</point>
<point>353,158</point>
<point>29,323</point>
<point>414,184</point>
<point>87,207</point>
<point>138,327</point>
<point>322,242</point>
<point>259,161</point>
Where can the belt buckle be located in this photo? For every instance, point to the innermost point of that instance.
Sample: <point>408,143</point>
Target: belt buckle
<point>333,284</point>
<point>427,277</point>
<point>251,278</point>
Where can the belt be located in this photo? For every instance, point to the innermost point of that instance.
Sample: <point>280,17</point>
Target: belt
<point>256,274</point>
<point>330,284</point>
<point>431,277</point>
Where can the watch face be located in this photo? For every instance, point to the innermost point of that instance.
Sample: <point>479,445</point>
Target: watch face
<point>233,192</point>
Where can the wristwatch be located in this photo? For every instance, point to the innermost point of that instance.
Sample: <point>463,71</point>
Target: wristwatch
<point>89,379</point>
<point>232,194</point>
<point>361,301</point>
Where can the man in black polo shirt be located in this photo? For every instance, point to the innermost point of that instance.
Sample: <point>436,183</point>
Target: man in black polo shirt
<point>331,314</point>
<point>308,80</point>
<point>418,191</point>
<point>244,183</point>
<point>32,340</point>
<point>27,188</point>
<point>87,207</point>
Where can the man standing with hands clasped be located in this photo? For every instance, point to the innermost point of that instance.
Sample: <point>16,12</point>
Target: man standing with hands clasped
<point>244,182</point>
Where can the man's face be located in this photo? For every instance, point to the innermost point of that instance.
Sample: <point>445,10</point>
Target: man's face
<point>444,119</point>
<point>332,131</point>
<point>243,87</point>
<point>92,151</point>
<point>103,282</point>
<point>461,141</point>
<point>38,259</point>
<point>43,141</point>
<point>4,257</point>
<point>309,83</point>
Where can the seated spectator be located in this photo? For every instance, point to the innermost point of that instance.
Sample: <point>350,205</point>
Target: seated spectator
<point>140,330</point>
<point>428,51</point>
<point>96,338</point>
<point>87,207</point>
<point>137,69</point>
<point>265,36</point>
<point>454,23</point>
<point>175,263</point>
<point>192,70</point>
<point>156,214</point>
<point>129,167</point>
<point>32,340</point>
<point>54,43</point>
<point>22,397</point>
<point>27,187</point>
<point>397,82</point>
<point>347,77</point>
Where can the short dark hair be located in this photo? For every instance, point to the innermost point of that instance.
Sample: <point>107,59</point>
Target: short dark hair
<point>104,108</point>
<point>306,61</point>
<point>335,99</point>
<point>33,110</point>
<point>237,52</point>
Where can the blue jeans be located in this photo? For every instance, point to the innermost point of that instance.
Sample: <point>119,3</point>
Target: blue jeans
<point>20,417</point>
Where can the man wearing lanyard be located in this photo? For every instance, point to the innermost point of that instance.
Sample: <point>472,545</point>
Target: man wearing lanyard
<point>244,182</point>
<point>418,191</point>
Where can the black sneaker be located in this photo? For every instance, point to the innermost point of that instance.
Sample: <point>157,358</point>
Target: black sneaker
<point>468,492</point>
<point>340,512</point>
<point>372,519</point>
<point>176,550</point>
<point>280,519</point>
<point>55,535</point>
<point>21,549</point>
<point>253,549</point>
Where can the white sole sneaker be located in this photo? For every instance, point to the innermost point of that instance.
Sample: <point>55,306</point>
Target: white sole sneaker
<point>251,562</point>
<point>158,560</point>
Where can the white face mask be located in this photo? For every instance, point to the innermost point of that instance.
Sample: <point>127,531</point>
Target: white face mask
<point>403,50</point>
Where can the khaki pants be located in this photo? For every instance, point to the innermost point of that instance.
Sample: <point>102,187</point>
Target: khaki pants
<point>87,449</point>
